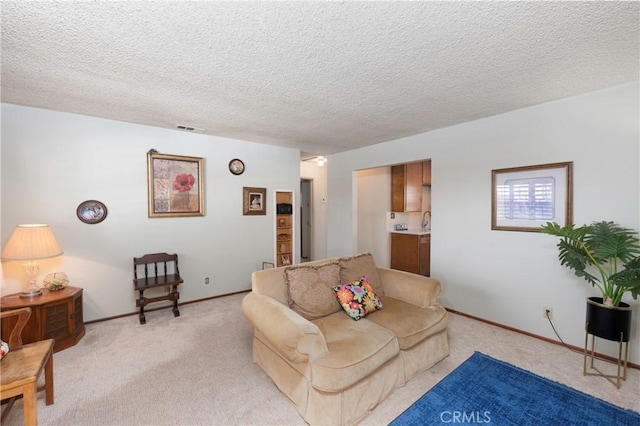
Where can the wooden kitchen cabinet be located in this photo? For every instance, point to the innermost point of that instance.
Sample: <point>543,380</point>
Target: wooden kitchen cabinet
<point>411,253</point>
<point>406,187</point>
<point>426,173</point>
<point>54,315</point>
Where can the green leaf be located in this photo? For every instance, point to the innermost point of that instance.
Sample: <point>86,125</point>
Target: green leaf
<point>609,250</point>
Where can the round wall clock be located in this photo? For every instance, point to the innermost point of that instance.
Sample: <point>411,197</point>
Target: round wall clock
<point>91,212</point>
<point>236,166</point>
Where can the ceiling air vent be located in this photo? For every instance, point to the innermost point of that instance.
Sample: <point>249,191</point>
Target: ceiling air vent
<point>186,128</point>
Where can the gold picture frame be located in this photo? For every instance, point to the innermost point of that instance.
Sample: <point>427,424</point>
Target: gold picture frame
<point>254,201</point>
<point>525,198</point>
<point>175,185</point>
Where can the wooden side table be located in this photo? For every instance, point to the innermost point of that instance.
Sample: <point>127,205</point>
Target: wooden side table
<point>54,315</point>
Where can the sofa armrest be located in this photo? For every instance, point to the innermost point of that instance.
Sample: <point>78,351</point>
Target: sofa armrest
<point>291,335</point>
<point>411,288</point>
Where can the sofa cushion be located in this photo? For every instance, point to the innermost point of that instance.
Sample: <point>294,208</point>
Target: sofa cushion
<point>309,291</point>
<point>356,349</point>
<point>353,267</point>
<point>410,323</point>
<point>357,298</point>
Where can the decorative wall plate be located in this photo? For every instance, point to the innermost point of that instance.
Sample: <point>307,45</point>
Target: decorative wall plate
<point>91,212</point>
<point>236,166</point>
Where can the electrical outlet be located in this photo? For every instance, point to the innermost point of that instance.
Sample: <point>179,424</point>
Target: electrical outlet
<point>206,280</point>
<point>547,313</point>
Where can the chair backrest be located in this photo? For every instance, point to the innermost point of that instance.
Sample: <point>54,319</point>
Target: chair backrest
<point>162,265</point>
<point>15,338</point>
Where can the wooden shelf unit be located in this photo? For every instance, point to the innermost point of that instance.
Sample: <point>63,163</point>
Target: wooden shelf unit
<point>285,223</point>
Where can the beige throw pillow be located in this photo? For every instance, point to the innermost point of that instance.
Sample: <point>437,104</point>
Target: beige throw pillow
<point>309,289</point>
<point>353,268</point>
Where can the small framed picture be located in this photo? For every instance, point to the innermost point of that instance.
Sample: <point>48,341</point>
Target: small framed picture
<point>254,201</point>
<point>91,212</point>
<point>236,166</point>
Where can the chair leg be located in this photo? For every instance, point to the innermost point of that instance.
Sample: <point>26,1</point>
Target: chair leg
<point>29,402</point>
<point>48,379</point>
<point>176,296</point>
<point>143,320</point>
<point>8,408</point>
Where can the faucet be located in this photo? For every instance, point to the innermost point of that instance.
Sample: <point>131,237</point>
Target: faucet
<point>425,222</point>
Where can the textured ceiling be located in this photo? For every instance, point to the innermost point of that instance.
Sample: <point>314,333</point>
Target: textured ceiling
<point>323,77</point>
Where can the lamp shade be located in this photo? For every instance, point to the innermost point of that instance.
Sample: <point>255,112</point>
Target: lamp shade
<point>31,242</point>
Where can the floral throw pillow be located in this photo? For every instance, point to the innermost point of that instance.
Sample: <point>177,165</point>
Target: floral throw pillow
<point>4,348</point>
<point>357,298</point>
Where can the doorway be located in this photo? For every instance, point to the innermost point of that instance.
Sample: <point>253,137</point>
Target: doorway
<point>306,220</point>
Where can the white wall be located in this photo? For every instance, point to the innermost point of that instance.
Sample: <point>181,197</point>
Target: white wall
<point>53,161</point>
<point>502,276</point>
<point>374,204</point>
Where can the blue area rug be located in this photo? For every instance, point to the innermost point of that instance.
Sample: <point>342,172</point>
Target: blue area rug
<point>485,390</point>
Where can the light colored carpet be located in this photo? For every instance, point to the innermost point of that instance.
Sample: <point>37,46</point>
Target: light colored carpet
<point>197,370</point>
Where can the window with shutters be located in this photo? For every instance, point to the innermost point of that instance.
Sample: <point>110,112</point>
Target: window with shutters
<point>530,199</point>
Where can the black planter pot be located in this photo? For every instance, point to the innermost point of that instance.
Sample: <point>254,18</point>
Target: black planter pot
<point>608,322</point>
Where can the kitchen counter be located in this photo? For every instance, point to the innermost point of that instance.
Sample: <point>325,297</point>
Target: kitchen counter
<point>413,231</point>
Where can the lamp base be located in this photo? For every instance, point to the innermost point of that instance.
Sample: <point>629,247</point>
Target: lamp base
<point>31,290</point>
<point>31,293</point>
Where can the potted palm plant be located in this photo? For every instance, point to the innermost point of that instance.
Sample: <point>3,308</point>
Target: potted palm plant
<point>607,256</point>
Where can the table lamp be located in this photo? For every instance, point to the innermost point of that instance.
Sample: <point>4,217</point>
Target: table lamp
<point>29,243</point>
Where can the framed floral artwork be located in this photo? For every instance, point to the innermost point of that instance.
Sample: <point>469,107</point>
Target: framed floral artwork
<point>254,201</point>
<point>175,185</point>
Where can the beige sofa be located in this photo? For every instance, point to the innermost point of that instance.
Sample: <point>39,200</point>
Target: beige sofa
<point>333,368</point>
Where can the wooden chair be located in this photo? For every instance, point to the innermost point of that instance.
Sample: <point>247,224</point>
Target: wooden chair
<point>22,366</point>
<point>160,270</point>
